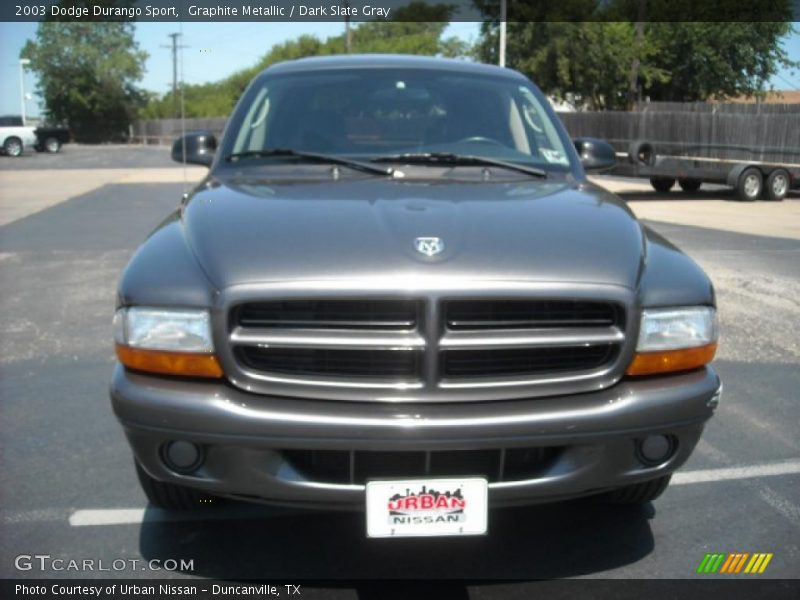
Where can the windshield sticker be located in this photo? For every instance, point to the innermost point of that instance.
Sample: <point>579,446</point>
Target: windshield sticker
<point>553,156</point>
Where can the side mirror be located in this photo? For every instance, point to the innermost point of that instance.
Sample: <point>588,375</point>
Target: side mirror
<point>595,154</point>
<point>198,146</point>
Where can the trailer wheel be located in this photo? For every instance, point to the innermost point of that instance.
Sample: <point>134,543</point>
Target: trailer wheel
<point>750,184</point>
<point>777,185</point>
<point>662,184</point>
<point>689,185</point>
<point>642,153</point>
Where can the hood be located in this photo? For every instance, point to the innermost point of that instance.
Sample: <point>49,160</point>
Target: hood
<point>533,231</point>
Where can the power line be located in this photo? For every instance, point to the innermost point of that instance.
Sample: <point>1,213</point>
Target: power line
<point>787,82</point>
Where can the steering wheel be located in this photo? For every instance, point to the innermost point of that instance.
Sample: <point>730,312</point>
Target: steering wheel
<point>480,139</point>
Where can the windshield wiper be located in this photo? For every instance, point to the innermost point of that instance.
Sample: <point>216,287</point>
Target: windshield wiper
<point>322,158</point>
<point>451,158</point>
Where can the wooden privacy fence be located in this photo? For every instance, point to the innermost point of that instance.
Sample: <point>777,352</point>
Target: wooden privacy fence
<point>165,131</point>
<point>769,133</point>
<point>763,132</point>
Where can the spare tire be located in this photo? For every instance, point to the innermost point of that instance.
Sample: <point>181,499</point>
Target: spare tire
<point>642,153</point>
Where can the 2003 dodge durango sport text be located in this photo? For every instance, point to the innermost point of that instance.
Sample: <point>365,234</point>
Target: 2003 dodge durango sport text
<point>396,291</point>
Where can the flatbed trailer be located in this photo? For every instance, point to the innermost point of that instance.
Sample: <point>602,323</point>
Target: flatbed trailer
<point>753,148</point>
<point>751,179</point>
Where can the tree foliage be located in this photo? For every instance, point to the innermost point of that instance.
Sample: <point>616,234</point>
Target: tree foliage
<point>87,73</point>
<point>397,37</point>
<point>592,61</point>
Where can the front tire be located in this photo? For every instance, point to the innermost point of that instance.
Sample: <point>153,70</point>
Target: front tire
<point>777,185</point>
<point>638,493</point>
<point>13,146</point>
<point>170,496</point>
<point>662,184</point>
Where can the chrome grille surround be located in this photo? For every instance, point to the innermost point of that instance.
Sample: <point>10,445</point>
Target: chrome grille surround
<point>429,337</point>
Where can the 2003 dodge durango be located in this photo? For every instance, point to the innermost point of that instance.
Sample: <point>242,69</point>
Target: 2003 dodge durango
<point>396,291</point>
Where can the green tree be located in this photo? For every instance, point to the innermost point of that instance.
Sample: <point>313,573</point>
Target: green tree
<point>402,36</point>
<point>588,61</point>
<point>708,60</point>
<point>595,61</point>
<point>87,74</point>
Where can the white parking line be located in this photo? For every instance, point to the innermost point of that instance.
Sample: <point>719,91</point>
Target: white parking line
<point>132,516</point>
<point>115,516</point>
<point>730,473</point>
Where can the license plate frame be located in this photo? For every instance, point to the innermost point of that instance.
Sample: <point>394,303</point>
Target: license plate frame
<point>427,507</point>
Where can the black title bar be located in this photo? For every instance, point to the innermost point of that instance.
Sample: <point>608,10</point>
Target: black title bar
<point>210,11</point>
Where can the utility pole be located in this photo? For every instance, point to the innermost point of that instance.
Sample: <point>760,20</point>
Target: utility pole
<point>22,64</point>
<point>348,34</point>
<point>174,47</point>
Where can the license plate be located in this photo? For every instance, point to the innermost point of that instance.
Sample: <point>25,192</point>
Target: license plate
<point>427,507</point>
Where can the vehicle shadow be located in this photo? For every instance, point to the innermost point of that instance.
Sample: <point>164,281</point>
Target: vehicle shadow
<point>546,541</point>
<point>676,195</point>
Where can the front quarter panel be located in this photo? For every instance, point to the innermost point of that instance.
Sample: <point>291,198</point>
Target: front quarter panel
<point>164,272</point>
<point>670,277</point>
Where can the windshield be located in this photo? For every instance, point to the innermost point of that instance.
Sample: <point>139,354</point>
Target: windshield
<point>371,114</point>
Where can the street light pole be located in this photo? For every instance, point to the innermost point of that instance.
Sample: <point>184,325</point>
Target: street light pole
<point>22,63</point>
<point>502,61</point>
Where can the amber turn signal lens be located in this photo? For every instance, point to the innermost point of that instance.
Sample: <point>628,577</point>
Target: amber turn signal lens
<point>668,361</point>
<point>187,364</point>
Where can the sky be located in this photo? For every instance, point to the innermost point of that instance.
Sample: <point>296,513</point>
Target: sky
<point>216,50</point>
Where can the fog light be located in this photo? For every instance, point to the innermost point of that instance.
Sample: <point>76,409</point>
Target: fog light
<point>655,449</point>
<point>182,456</point>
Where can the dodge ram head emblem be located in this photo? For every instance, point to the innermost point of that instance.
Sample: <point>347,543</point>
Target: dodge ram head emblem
<point>429,246</point>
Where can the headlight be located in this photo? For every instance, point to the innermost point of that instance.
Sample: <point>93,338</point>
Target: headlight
<point>675,339</point>
<point>173,342</point>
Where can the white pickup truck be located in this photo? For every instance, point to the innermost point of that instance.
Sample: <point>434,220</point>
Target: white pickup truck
<point>14,138</point>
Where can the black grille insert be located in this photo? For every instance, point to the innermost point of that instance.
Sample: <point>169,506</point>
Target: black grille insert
<point>343,466</point>
<point>530,314</point>
<point>395,364</point>
<point>329,314</point>
<point>525,361</point>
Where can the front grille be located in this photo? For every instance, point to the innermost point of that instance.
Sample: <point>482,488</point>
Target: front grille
<point>329,314</point>
<point>349,363</point>
<point>426,348</point>
<point>529,314</point>
<point>524,361</point>
<point>360,466</point>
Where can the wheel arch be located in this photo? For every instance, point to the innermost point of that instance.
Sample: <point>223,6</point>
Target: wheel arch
<point>738,169</point>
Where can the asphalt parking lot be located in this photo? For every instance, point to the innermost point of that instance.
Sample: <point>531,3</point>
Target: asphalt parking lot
<point>67,484</point>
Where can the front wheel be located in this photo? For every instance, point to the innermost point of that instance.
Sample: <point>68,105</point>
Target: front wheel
<point>171,496</point>
<point>13,146</point>
<point>662,184</point>
<point>638,493</point>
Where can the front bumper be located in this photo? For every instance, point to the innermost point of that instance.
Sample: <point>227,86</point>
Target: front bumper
<point>243,434</point>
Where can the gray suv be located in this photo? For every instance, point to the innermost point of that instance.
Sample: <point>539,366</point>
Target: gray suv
<point>397,292</point>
